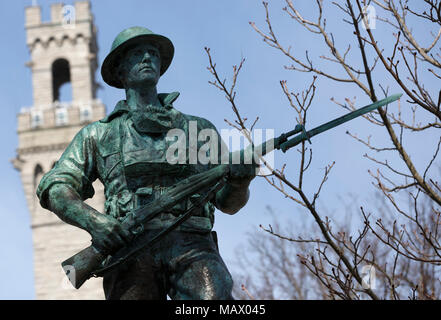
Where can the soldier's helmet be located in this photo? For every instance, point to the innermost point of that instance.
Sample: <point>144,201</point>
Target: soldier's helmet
<point>130,37</point>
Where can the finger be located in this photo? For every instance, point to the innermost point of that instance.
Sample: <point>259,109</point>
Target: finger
<point>116,241</point>
<point>126,235</point>
<point>120,241</point>
<point>123,233</point>
<point>108,245</point>
<point>102,247</point>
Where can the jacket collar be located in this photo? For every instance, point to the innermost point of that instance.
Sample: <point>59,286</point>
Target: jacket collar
<point>121,107</point>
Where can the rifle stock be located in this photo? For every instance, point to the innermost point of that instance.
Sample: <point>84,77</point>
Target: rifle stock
<point>79,267</point>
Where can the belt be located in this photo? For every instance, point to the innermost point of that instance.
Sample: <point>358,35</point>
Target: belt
<point>147,194</point>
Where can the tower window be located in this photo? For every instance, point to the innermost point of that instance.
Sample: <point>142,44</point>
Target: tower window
<point>61,118</point>
<point>85,113</point>
<point>36,119</point>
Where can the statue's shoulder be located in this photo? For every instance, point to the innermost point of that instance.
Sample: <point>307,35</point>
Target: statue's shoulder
<point>98,128</point>
<point>99,133</point>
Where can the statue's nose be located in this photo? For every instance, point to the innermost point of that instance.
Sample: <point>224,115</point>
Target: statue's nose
<point>146,57</point>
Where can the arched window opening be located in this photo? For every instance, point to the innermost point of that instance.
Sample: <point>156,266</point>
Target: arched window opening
<point>65,92</point>
<point>62,89</point>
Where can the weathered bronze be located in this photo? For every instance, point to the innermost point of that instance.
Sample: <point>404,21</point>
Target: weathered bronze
<point>155,238</point>
<point>127,152</point>
<point>89,262</point>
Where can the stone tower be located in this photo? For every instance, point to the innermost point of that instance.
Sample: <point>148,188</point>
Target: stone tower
<point>62,50</point>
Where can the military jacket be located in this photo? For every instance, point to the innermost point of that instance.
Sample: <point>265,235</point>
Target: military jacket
<point>132,166</point>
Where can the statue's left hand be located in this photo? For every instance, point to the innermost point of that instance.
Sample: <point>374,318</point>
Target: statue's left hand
<point>242,173</point>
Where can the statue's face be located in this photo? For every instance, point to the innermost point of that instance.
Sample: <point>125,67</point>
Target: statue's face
<point>141,65</point>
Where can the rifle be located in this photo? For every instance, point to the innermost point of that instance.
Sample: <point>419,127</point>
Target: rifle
<point>93,262</point>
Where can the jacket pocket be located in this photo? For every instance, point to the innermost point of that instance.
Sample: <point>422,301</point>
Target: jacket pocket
<point>108,151</point>
<point>120,204</point>
<point>143,196</point>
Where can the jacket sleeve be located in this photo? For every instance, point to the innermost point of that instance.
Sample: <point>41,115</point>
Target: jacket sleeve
<point>76,168</point>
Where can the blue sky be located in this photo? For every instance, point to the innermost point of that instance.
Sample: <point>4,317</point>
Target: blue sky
<point>191,25</point>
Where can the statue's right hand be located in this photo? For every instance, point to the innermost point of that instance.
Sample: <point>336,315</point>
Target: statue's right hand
<point>108,234</point>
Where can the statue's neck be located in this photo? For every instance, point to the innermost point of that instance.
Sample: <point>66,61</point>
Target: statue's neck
<point>142,97</point>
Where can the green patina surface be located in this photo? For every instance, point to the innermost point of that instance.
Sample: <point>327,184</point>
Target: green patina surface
<point>127,152</point>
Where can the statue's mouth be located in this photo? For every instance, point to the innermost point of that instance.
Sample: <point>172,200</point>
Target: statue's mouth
<point>147,68</point>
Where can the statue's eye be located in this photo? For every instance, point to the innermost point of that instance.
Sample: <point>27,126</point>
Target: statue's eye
<point>154,53</point>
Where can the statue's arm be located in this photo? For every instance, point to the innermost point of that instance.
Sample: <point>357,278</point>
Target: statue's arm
<point>235,194</point>
<point>69,207</point>
<point>106,231</point>
<point>64,189</point>
<point>73,173</point>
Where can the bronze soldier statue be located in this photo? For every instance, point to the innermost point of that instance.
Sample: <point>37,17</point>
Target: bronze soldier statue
<point>175,251</point>
<point>127,151</point>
